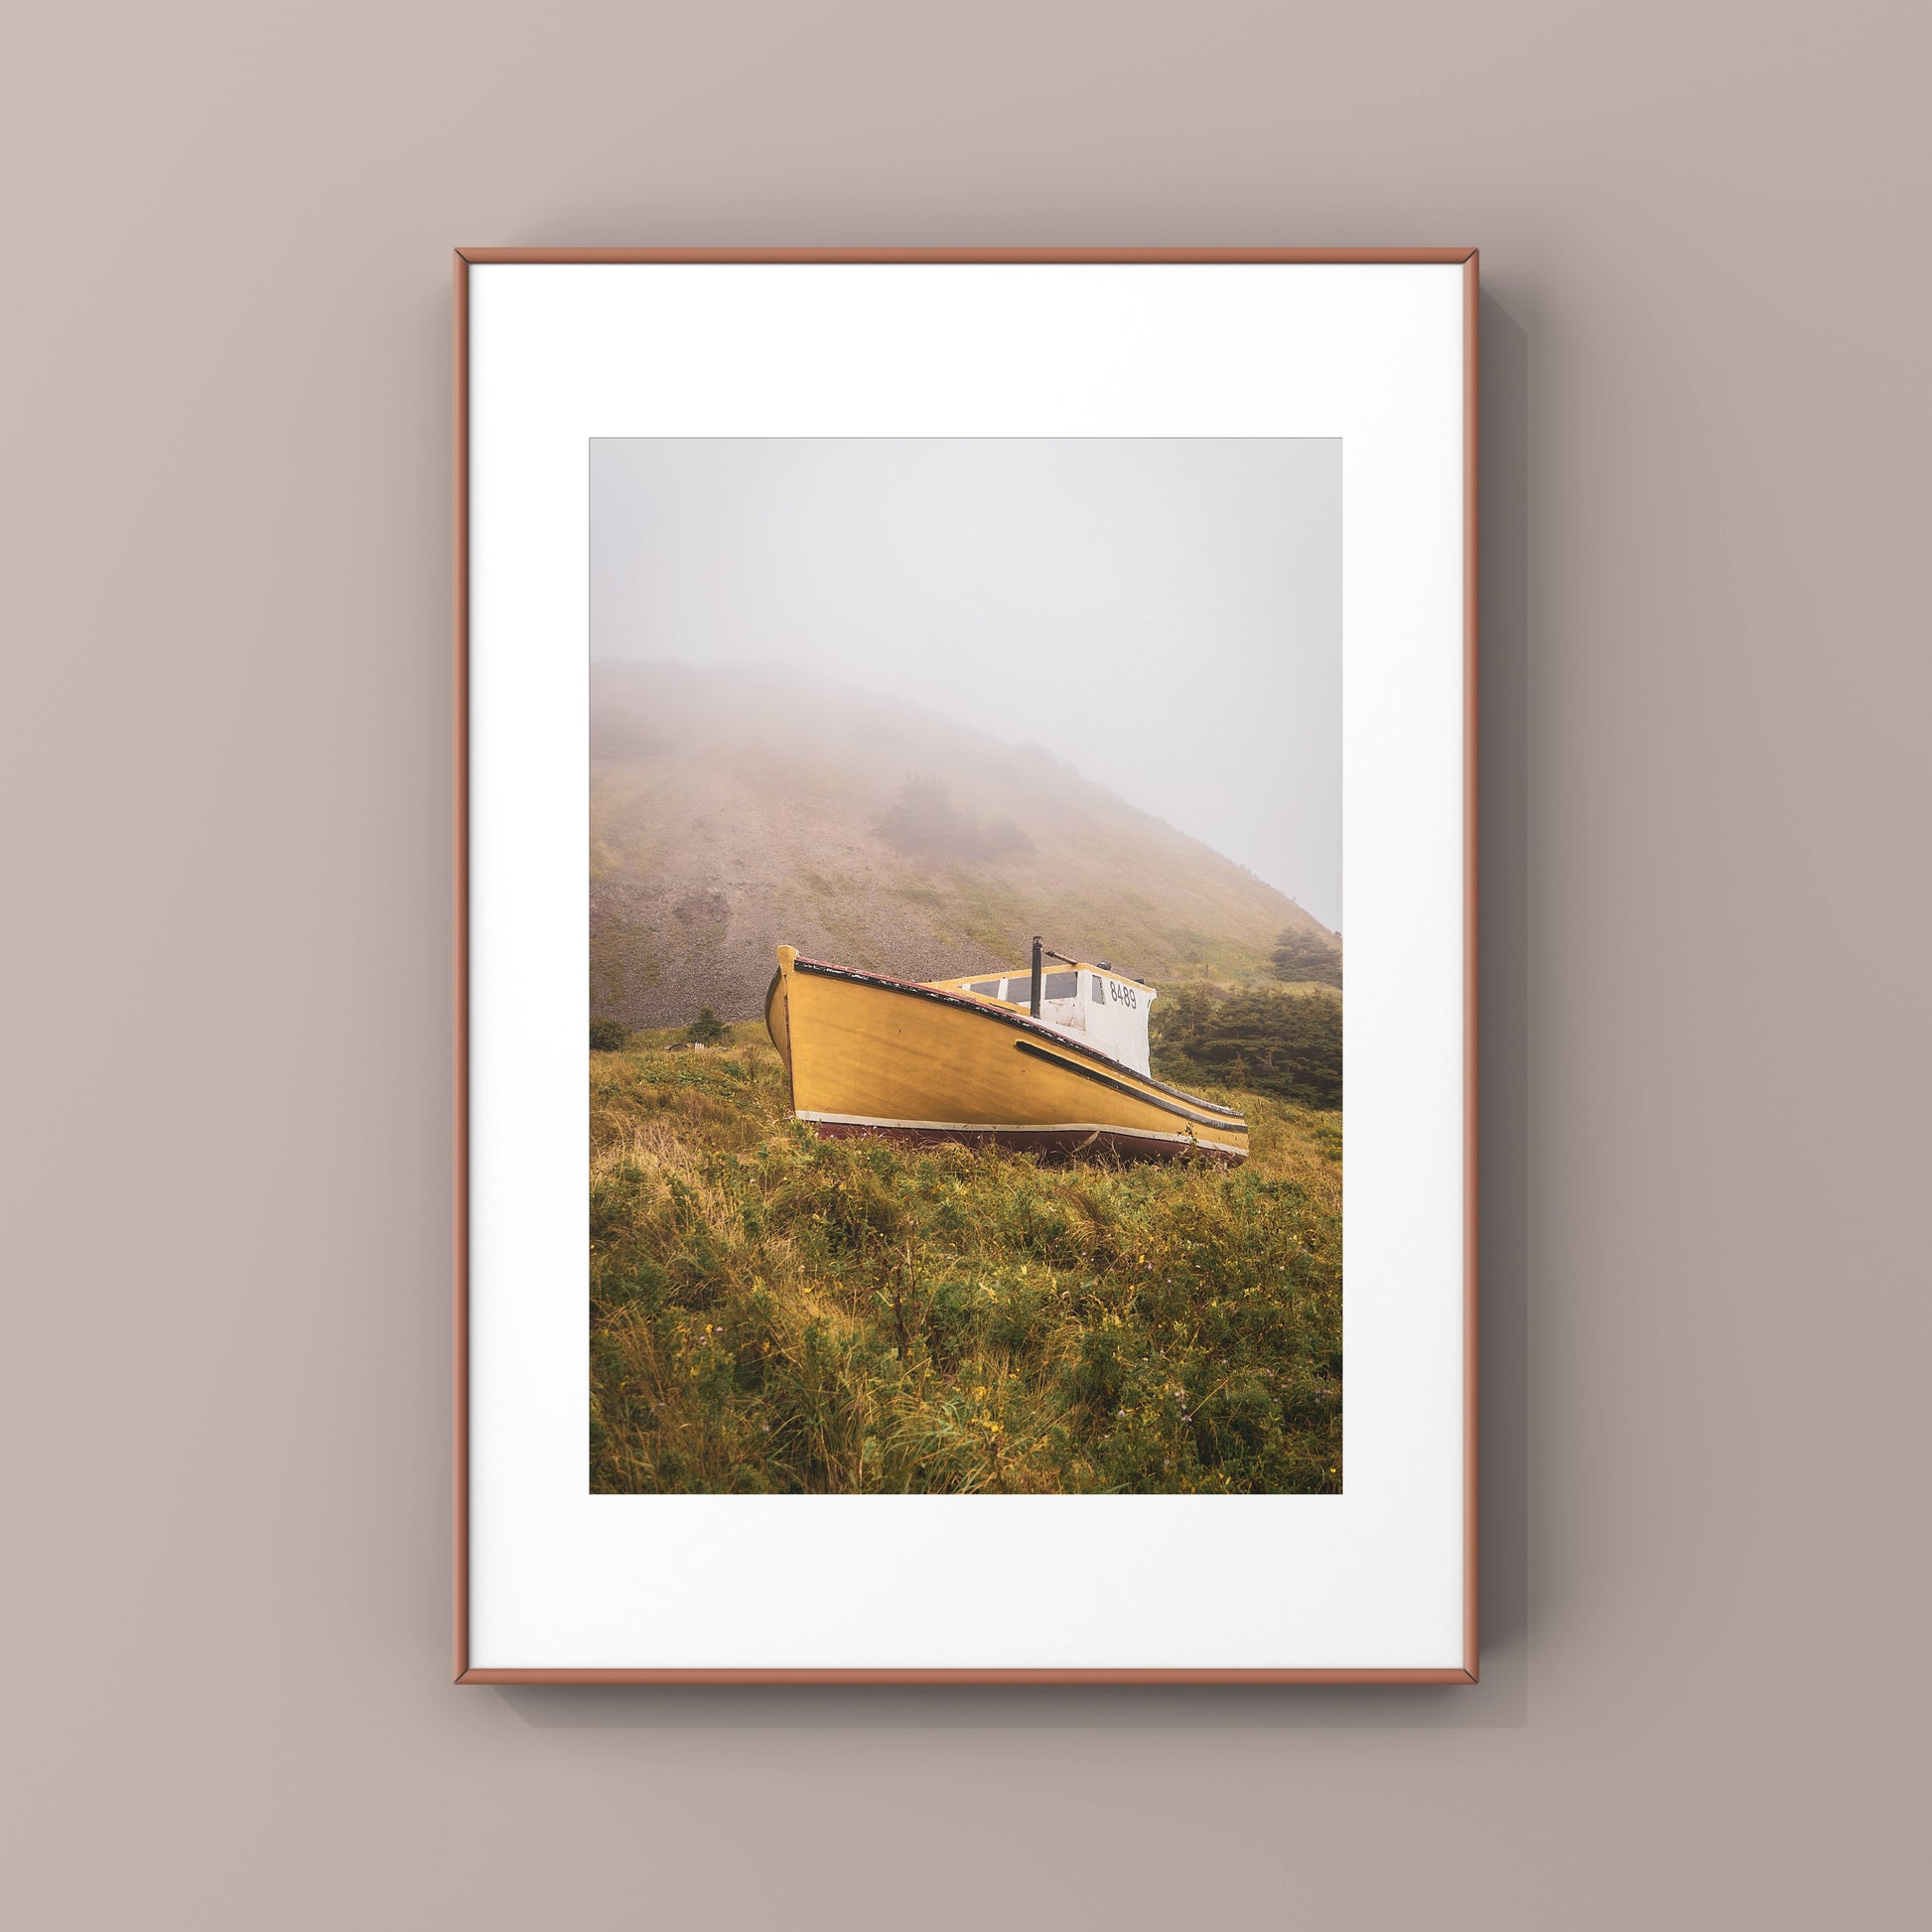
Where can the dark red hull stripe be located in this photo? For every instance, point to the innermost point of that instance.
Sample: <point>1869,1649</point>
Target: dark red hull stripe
<point>1049,1138</point>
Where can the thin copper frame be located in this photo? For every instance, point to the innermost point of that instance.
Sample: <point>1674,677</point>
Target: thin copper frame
<point>465,259</point>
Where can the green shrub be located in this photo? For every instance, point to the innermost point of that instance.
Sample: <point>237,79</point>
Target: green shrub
<point>1306,956</point>
<point>707,1030</point>
<point>607,1037</point>
<point>1285,1041</point>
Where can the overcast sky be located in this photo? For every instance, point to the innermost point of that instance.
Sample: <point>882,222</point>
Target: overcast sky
<point>1163,614</point>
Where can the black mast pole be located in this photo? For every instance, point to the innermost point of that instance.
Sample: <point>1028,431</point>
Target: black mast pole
<point>1036,976</point>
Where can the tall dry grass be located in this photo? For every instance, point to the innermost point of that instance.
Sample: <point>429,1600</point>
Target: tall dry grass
<point>774,1313</point>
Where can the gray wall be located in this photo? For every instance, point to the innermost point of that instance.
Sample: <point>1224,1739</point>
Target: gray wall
<point>224,770</point>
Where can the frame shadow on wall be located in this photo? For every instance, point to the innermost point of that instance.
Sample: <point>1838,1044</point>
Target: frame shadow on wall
<point>1500,1700</point>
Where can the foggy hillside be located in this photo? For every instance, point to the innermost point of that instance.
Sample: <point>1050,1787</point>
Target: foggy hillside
<point>736,810</point>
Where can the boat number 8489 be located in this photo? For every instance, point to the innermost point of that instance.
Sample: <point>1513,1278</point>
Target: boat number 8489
<point>1123,996</point>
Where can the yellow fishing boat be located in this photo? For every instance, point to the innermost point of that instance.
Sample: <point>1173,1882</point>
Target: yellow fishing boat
<point>1054,1059</point>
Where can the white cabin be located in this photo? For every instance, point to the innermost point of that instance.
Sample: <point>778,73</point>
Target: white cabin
<point>1095,1005</point>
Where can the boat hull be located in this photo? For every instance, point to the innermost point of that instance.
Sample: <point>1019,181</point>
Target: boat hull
<point>866,1054</point>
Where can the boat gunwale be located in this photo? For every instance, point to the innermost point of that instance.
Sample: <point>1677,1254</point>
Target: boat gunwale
<point>1018,1021</point>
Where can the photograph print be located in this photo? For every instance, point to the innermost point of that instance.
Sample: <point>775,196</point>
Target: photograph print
<point>965,966</point>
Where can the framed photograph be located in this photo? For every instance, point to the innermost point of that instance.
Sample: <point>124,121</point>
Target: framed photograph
<point>965,777</point>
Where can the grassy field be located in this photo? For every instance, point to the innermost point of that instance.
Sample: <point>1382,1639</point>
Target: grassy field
<point>774,1312</point>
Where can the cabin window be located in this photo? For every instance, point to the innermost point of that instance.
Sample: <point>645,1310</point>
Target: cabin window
<point>1099,989</point>
<point>987,988</point>
<point>1060,986</point>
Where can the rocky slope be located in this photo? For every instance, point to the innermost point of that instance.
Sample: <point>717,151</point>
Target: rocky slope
<point>734,810</point>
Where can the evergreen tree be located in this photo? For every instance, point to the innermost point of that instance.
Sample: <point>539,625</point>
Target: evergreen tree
<point>1306,956</point>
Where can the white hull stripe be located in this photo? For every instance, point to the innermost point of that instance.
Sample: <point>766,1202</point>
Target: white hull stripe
<point>996,1127</point>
